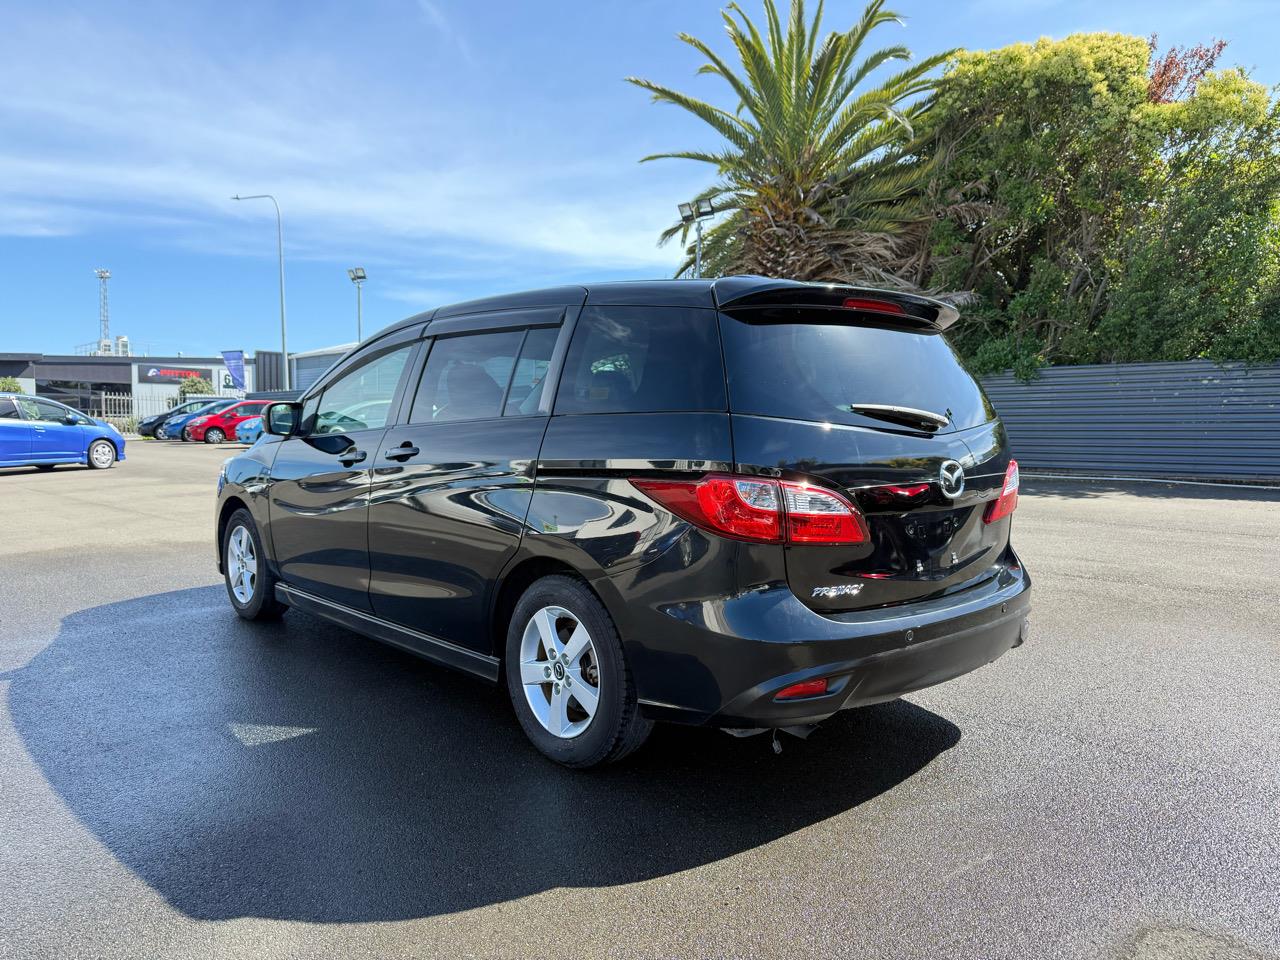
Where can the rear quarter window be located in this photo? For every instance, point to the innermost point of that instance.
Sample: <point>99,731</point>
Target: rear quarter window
<point>643,360</point>
<point>815,370</point>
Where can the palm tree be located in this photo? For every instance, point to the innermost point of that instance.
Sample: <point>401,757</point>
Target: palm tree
<point>822,179</point>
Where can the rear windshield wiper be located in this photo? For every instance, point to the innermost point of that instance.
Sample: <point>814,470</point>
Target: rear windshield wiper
<point>907,416</point>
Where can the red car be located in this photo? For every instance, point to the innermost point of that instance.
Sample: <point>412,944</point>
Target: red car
<point>216,427</point>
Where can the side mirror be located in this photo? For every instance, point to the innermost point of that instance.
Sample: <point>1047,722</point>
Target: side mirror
<point>70,419</point>
<point>282,419</point>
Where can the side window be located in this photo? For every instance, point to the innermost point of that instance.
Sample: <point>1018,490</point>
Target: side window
<point>531,371</point>
<point>361,398</point>
<point>309,408</point>
<point>643,360</point>
<point>466,377</point>
<point>8,409</point>
<point>42,410</point>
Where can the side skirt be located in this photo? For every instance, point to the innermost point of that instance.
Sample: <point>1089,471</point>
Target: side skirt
<point>430,648</point>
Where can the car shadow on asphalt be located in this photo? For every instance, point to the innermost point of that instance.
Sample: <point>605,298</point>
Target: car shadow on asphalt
<point>299,772</point>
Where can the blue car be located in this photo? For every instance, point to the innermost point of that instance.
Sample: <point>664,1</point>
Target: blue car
<point>148,426</point>
<point>42,433</point>
<point>172,429</point>
<point>249,430</point>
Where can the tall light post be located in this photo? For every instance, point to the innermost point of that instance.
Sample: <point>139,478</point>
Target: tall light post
<point>695,213</point>
<point>284,340</point>
<point>358,277</point>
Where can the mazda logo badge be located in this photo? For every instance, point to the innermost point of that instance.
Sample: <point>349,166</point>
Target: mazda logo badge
<point>951,479</point>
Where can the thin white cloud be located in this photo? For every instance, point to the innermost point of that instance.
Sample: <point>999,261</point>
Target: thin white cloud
<point>98,124</point>
<point>434,16</point>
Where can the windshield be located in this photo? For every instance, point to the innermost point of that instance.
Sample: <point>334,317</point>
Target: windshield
<point>821,370</point>
<point>214,407</point>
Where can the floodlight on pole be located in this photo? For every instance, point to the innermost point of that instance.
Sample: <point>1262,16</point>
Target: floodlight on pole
<point>284,340</point>
<point>695,213</point>
<point>358,277</point>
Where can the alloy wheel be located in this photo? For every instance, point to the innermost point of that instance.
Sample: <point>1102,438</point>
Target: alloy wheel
<point>242,564</point>
<point>102,455</point>
<point>560,672</point>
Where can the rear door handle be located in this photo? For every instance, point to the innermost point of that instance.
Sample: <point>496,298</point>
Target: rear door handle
<point>352,457</point>
<point>402,452</point>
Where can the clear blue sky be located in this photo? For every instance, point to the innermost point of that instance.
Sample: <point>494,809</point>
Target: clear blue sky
<point>453,149</point>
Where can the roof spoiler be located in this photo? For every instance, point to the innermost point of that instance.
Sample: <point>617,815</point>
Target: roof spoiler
<point>736,293</point>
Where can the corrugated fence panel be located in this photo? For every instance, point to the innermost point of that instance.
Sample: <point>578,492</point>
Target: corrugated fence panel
<point>1193,419</point>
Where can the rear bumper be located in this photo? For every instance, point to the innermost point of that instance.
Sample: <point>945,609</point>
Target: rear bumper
<point>868,657</point>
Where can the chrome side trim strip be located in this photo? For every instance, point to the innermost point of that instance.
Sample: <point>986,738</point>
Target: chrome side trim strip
<point>426,646</point>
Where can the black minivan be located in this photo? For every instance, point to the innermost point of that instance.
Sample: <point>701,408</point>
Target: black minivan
<point>741,502</point>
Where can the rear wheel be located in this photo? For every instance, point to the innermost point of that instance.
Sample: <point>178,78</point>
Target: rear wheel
<point>568,677</point>
<point>102,454</point>
<point>251,586</point>
<point>214,435</point>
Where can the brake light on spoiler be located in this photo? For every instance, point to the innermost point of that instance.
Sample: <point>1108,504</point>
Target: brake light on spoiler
<point>758,510</point>
<point>874,306</point>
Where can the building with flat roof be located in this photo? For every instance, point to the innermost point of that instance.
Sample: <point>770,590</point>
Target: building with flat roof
<point>84,382</point>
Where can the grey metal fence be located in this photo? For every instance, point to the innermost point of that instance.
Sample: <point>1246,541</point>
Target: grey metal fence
<point>1193,419</point>
<point>124,410</point>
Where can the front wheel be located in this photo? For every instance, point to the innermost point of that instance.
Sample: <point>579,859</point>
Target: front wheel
<point>250,584</point>
<point>186,435</point>
<point>214,435</point>
<point>102,454</point>
<point>568,677</point>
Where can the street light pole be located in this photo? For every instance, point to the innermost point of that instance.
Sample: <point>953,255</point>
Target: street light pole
<point>284,340</point>
<point>697,256</point>
<point>358,277</point>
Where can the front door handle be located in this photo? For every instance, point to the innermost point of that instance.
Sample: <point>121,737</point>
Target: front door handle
<point>402,452</point>
<point>352,457</point>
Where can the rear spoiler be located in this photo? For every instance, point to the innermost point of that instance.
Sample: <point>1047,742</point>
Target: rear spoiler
<point>738,293</point>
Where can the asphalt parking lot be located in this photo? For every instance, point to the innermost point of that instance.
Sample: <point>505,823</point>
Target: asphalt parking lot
<point>177,783</point>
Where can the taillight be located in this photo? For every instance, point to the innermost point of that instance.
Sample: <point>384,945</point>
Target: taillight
<point>1008,499</point>
<point>764,511</point>
<point>819,516</point>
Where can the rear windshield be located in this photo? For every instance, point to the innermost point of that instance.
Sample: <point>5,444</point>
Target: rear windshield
<point>817,370</point>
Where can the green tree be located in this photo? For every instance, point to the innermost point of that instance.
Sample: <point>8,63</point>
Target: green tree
<point>198,386</point>
<point>1115,205</point>
<point>819,168</point>
<point>10,385</point>
<point>1196,272</point>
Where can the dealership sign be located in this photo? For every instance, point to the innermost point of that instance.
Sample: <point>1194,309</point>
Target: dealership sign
<point>157,373</point>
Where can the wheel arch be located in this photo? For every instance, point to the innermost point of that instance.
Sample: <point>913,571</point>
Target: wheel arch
<point>117,443</point>
<point>229,506</point>
<point>511,587</point>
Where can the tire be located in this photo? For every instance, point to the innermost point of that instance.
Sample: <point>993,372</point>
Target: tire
<point>251,587</point>
<point>101,455</point>
<point>214,435</point>
<point>558,606</point>
<point>186,435</point>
